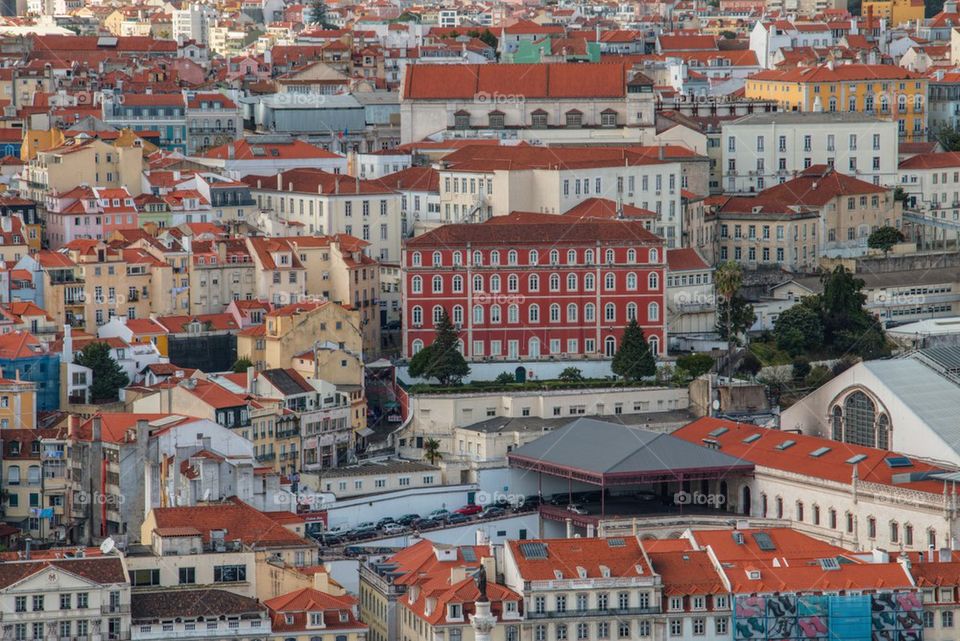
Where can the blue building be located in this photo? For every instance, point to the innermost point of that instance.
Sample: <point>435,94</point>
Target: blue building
<point>21,353</point>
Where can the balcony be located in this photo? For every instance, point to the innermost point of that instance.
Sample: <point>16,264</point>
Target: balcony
<point>267,456</point>
<point>114,608</point>
<point>611,612</point>
<point>288,432</point>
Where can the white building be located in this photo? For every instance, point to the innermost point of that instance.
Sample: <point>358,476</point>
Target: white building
<point>192,22</point>
<point>768,38</point>
<point>761,150</point>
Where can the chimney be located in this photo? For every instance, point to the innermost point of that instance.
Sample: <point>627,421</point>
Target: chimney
<point>279,182</point>
<point>880,556</point>
<point>143,432</point>
<point>67,344</point>
<point>98,426</point>
<point>250,377</point>
<point>26,554</point>
<point>590,530</point>
<point>569,528</point>
<point>231,151</point>
<point>73,422</point>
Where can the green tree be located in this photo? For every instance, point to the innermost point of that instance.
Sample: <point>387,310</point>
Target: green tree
<point>798,329</point>
<point>695,364</point>
<point>729,35</point>
<point>633,359</point>
<point>108,376</point>
<point>431,451</point>
<point>318,14</point>
<point>727,280</point>
<point>241,365</point>
<point>488,37</point>
<point>899,195</point>
<point>571,375</point>
<point>848,328</point>
<point>949,138</point>
<point>441,359</point>
<point>818,375</point>
<point>801,368</point>
<point>884,238</point>
<point>505,378</point>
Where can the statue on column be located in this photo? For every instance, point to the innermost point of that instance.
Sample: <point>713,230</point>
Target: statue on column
<point>480,578</point>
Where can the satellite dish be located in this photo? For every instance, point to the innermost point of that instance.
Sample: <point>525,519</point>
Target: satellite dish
<point>107,546</point>
<point>716,405</point>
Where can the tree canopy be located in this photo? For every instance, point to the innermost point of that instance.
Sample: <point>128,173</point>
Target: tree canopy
<point>633,359</point>
<point>108,377</point>
<point>441,359</point>
<point>884,238</point>
<point>799,329</point>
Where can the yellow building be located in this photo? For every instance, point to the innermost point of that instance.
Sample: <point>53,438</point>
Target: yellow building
<point>896,12</point>
<point>312,615</point>
<point>18,404</point>
<point>83,160</point>
<point>885,91</point>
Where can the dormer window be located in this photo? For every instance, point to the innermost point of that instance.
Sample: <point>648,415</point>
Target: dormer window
<point>496,119</point>
<point>454,611</point>
<point>289,619</point>
<point>316,619</point>
<point>344,617</point>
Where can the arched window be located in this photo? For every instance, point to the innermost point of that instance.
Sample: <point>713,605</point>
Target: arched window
<point>437,314</point>
<point>416,316</point>
<point>457,258</point>
<point>512,257</point>
<point>571,256</point>
<point>495,314</point>
<point>588,282</point>
<point>883,432</point>
<point>495,257</point>
<point>833,104</point>
<point>554,282</point>
<point>478,283</point>
<point>632,256</point>
<point>533,313</point>
<point>859,415</point>
<point>513,283</point>
<point>478,314</point>
<point>572,313</point>
<point>417,259</point>
<point>554,257</point>
<point>653,312</point>
<point>554,313</point>
<point>437,259</point>
<point>653,281</point>
<point>457,315</point>
<point>837,423</point>
<point>654,256</point>
<point>437,284</point>
<point>534,257</point>
<point>609,258</point>
<point>533,347</point>
<point>416,346</point>
<point>610,312</point>
<point>589,313</point>
<point>533,283</point>
<point>631,311</point>
<point>495,283</point>
<point>588,257</point>
<point>800,511</point>
<point>654,343</point>
<point>477,257</point>
<point>457,284</point>
<point>610,347</point>
<point>902,102</point>
<point>513,314</point>
<point>416,285</point>
<point>632,281</point>
<point>609,281</point>
<point>571,282</point>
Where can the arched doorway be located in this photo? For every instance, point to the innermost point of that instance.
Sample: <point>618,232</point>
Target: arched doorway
<point>745,501</point>
<point>520,374</point>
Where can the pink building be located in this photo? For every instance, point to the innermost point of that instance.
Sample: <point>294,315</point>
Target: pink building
<point>89,212</point>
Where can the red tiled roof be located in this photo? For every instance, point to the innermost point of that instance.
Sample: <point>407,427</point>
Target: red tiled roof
<point>932,161</point>
<point>244,150</point>
<point>554,80</point>
<point>685,259</point>
<point>567,556</point>
<point>241,522</point>
<point>605,208</point>
<point>839,73</point>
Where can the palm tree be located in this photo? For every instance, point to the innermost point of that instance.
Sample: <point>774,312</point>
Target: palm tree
<point>727,280</point>
<point>431,451</point>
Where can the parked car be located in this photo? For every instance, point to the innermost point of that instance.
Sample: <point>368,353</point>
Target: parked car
<point>457,518</point>
<point>384,522</point>
<point>394,528</point>
<point>329,539</point>
<point>364,525</point>
<point>560,500</point>
<point>492,512</point>
<point>531,502</point>
<point>408,519</point>
<point>425,524</point>
<point>577,508</point>
<point>361,533</point>
<point>646,496</point>
<point>470,510</point>
<point>439,515</point>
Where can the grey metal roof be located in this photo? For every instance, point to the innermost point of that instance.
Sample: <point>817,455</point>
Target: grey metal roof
<point>601,447</point>
<point>802,118</point>
<point>539,424</point>
<point>932,396</point>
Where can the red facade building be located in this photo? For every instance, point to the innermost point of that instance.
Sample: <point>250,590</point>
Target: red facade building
<point>534,286</point>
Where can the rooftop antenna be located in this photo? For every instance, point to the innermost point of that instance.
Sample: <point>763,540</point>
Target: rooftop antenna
<point>107,546</point>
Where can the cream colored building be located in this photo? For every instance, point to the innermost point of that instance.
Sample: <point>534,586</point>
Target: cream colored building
<point>83,160</point>
<point>221,271</point>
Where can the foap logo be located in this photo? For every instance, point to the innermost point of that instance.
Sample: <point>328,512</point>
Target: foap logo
<point>489,298</point>
<point>699,498</point>
<point>897,299</point>
<point>700,299</point>
<point>98,498</point>
<point>497,98</point>
<point>499,498</point>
